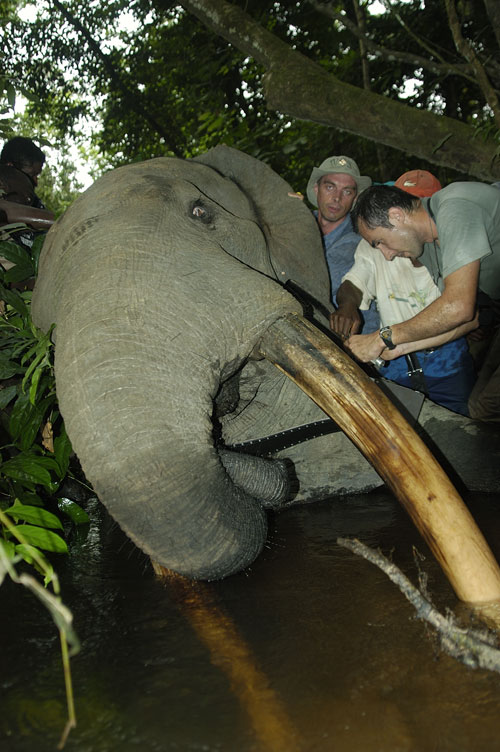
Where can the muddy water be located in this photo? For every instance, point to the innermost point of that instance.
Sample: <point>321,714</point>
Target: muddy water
<point>313,649</point>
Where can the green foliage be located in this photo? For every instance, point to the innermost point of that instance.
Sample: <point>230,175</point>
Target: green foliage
<point>35,450</point>
<point>148,79</point>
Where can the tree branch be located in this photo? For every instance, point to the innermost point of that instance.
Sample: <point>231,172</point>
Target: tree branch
<point>493,11</point>
<point>474,648</point>
<point>441,69</point>
<point>296,85</point>
<point>467,51</point>
<point>363,39</point>
<point>361,26</point>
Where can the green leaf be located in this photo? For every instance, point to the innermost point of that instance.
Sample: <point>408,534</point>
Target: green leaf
<point>23,266</point>
<point>9,548</point>
<point>62,452</point>
<point>76,514</point>
<point>14,299</point>
<point>27,497</point>
<point>20,272</point>
<point>8,367</point>
<point>34,384</point>
<point>62,616</point>
<point>26,467</point>
<point>6,395</point>
<point>28,553</point>
<point>37,559</point>
<point>7,556</point>
<point>44,539</point>
<point>11,95</point>
<point>35,515</point>
<point>26,419</point>
<point>12,251</point>
<point>36,249</point>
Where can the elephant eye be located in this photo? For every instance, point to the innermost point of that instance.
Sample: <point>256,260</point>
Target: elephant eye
<point>200,211</point>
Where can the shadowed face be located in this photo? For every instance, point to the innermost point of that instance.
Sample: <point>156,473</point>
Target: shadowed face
<point>18,188</point>
<point>32,170</point>
<point>401,239</point>
<point>335,195</point>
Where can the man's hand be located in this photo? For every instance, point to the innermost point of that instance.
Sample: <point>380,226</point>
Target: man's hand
<point>366,347</point>
<point>345,321</point>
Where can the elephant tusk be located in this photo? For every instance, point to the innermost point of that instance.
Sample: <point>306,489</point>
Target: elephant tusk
<point>337,385</point>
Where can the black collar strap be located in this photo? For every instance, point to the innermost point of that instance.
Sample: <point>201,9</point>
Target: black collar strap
<point>285,439</point>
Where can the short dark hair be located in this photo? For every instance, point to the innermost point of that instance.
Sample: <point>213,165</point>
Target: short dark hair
<point>373,205</point>
<point>21,152</point>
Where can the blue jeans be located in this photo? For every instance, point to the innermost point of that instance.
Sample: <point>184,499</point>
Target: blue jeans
<point>448,372</point>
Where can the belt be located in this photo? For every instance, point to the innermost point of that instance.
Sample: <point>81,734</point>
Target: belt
<point>416,373</point>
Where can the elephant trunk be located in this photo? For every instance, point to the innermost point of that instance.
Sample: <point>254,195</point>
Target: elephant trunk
<point>266,480</point>
<point>400,457</point>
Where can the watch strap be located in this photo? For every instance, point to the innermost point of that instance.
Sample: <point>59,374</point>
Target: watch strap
<point>385,334</point>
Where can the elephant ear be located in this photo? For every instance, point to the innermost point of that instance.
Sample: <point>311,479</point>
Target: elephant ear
<point>291,231</point>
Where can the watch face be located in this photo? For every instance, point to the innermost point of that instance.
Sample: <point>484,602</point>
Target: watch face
<point>386,334</point>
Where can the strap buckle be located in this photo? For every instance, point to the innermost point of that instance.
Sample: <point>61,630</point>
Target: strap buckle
<point>416,373</point>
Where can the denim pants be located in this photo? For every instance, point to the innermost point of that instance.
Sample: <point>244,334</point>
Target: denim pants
<point>448,374</point>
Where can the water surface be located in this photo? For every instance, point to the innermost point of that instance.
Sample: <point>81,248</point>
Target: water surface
<point>313,649</point>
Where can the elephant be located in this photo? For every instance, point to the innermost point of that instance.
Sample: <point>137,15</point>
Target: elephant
<point>163,280</point>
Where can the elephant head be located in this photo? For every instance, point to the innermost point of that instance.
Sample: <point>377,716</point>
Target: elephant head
<point>165,279</point>
<point>154,261</point>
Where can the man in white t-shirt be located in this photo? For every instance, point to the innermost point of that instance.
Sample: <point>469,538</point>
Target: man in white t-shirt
<point>441,367</point>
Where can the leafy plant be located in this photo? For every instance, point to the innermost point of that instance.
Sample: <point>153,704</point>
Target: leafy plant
<point>35,451</point>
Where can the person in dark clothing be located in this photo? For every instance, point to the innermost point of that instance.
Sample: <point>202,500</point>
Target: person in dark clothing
<point>17,199</point>
<point>23,154</point>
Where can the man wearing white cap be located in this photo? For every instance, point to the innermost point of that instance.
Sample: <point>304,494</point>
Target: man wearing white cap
<point>333,188</point>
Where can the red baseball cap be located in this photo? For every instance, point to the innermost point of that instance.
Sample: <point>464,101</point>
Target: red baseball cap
<point>419,183</point>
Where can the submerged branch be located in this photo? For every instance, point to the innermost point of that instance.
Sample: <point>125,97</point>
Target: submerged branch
<point>474,648</point>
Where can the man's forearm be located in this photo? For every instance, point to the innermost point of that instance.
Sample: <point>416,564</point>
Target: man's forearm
<point>348,295</point>
<point>439,318</point>
<point>39,219</point>
<point>346,319</point>
<point>438,340</point>
<point>410,334</point>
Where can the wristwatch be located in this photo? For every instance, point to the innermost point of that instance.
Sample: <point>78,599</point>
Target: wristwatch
<point>386,334</point>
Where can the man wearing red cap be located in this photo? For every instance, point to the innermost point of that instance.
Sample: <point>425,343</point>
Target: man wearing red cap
<point>456,235</point>
<point>440,368</point>
<point>419,183</point>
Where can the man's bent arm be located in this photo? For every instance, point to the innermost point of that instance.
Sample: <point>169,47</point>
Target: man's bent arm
<point>429,342</point>
<point>456,306</point>
<point>39,219</point>
<point>346,319</point>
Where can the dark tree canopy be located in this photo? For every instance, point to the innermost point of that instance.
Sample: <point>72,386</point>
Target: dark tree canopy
<point>290,83</point>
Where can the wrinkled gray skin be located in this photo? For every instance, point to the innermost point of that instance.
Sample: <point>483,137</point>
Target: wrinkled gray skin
<point>161,278</point>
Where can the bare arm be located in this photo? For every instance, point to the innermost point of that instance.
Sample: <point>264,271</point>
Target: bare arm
<point>437,341</point>
<point>346,320</point>
<point>454,308</point>
<point>38,219</point>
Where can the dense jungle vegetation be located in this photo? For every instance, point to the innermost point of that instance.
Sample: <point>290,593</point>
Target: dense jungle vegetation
<point>396,83</point>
